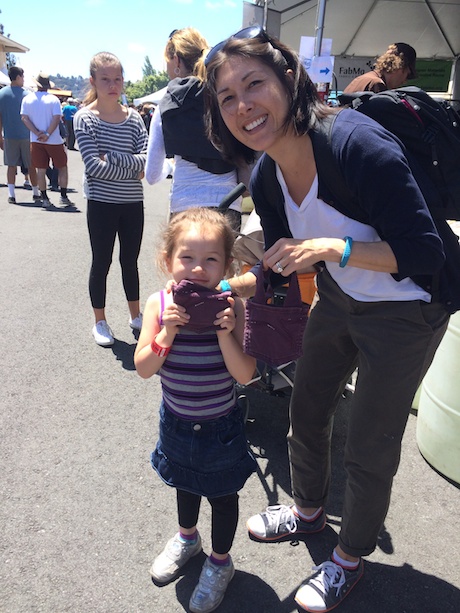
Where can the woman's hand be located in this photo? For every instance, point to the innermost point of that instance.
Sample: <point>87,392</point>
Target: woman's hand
<point>288,255</point>
<point>226,319</point>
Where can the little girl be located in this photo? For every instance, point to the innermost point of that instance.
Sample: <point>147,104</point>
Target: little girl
<point>202,448</point>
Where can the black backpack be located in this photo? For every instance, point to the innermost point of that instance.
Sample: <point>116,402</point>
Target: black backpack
<point>430,132</point>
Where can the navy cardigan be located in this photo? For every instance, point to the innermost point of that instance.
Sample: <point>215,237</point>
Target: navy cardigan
<point>372,164</point>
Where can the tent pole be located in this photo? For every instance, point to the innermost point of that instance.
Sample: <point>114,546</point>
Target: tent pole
<point>320,13</point>
<point>264,25</point>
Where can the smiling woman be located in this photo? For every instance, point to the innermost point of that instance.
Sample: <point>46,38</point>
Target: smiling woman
<point>377,263</point>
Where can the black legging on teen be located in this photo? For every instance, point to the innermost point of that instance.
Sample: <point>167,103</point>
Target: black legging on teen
<point>105,221</point>
<point>224,517</point>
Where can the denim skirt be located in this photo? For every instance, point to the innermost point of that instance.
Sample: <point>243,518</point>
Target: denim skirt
<point>210,458</point>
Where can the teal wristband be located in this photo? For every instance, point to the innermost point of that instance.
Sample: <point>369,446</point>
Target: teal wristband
<point>225,286</point>
<point>346,252</point>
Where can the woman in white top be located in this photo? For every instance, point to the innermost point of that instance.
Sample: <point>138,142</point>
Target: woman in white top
<point>177,142</point>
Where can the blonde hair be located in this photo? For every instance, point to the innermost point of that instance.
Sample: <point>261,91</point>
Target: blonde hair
<point>208,219</point>
<point>191,47</point>
<point>390,61</point>
<point>103,58</point>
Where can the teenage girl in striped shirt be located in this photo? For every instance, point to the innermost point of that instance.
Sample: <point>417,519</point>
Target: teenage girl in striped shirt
<point>112,140</point>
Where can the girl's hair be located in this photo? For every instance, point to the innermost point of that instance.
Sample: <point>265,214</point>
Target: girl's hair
<point>191,47</point>
<point>208,219</point>
<point>391,60</point>
<point>104,58</point>
<point>305,104</point>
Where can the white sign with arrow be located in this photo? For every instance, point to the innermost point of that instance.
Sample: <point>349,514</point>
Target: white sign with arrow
<point>319,68</point>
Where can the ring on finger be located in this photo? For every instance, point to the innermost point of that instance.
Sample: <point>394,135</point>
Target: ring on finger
<point>278,267</point>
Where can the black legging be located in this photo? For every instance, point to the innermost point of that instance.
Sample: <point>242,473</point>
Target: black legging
<point>224,517</point>
<point>105,221</point>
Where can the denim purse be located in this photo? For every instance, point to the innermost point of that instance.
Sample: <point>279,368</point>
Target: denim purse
<point>274,333</point>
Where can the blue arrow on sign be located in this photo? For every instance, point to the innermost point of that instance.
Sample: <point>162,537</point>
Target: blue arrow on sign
<point>325,71</point>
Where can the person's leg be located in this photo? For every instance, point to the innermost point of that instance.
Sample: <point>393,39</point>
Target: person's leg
<point>102,221</point>
<point>11,159</point>
<point>41,179</point>
<point>31,172</point>
<point>218,569</point>
<point>34,180</point>
<point>40,161</point>
<point>130,232</point>
<point>329,357</point>
<point>11,181</point>
<point>397,342</point>
<point>224,523</point>
<point>188,510</point>
<point>183,545</point>
<point>70,134</point>
<point>63,179</point>
<point>59,157</point>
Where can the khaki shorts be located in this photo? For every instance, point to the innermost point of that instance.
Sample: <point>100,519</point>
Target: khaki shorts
<point>16,152</point>
<point>42,153</point>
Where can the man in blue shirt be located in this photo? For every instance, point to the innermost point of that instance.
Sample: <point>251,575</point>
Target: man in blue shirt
<point>68,112</point>
<point>15,140</point>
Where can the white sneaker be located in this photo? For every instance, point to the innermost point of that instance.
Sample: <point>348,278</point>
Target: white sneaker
<point>211,587</point>
<point>174,556</point>
<point>103,334</point>
<point>136,323</point>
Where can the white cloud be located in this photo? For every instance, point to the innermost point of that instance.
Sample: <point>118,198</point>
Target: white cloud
<point>137,48</point>
<point>220,4</point>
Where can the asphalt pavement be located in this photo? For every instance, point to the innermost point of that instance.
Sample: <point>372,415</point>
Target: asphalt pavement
<point>83,514</point>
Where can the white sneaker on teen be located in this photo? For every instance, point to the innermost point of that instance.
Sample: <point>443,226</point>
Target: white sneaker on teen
<point>136,323</point>
<point>103,334</point>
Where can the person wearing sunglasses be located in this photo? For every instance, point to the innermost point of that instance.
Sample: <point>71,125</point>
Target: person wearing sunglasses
<point>375,310</point>
<point>177,141</point>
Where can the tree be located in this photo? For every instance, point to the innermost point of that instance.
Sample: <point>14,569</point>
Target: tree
<point>148,85</point>
<point>148,69</point>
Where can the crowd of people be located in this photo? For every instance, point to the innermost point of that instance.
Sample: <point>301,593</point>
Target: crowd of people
<point>248,103</point>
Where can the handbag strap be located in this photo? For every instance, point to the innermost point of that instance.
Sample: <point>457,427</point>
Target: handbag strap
<point>264,290</point>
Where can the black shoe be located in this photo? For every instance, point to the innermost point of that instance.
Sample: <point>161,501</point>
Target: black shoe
<point>11,200</point>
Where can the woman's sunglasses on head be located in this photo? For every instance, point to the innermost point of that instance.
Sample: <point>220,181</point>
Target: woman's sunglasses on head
<point>250,32</point>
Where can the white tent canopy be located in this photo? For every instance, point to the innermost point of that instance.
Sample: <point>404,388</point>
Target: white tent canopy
<point>154,98</point>
<point>365,28</point>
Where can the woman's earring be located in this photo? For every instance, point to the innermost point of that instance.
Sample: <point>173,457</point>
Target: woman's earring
<point>177,71</point>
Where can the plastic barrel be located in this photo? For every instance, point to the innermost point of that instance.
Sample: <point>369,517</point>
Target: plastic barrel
<point>438,419</point>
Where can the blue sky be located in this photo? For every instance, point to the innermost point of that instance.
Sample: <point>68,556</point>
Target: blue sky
<point>63,36</point>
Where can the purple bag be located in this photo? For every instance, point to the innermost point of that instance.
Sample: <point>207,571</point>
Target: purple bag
<point>274,333</point>
<point>201,303</point>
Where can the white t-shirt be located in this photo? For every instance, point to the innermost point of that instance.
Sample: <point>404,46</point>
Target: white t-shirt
<point>316,219</point>
<point>41,107</point>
